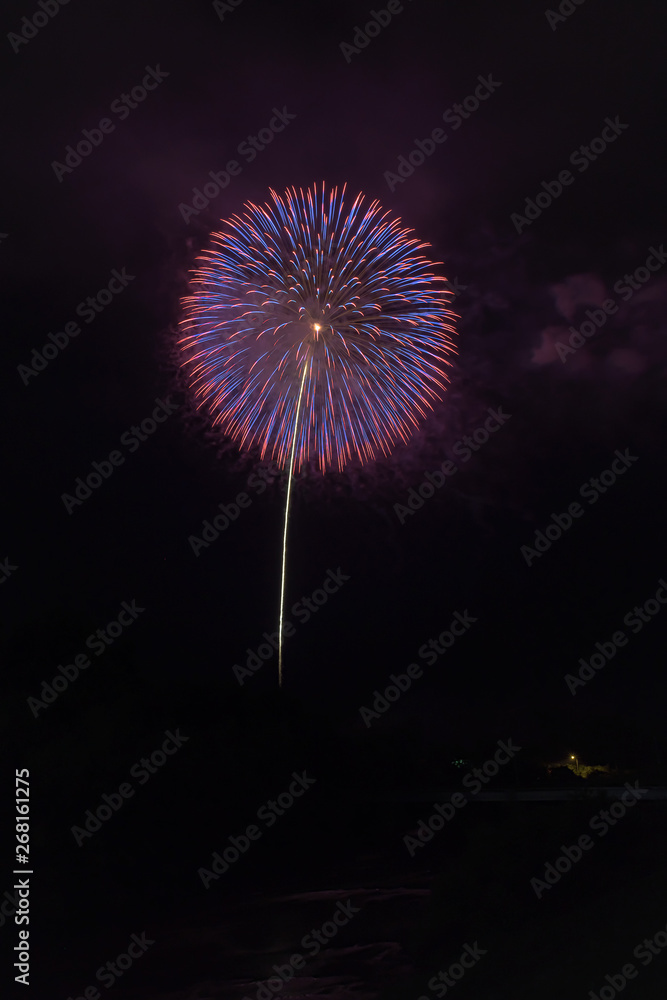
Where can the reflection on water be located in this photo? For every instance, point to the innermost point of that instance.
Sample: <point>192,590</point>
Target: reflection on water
<point>326,943</point>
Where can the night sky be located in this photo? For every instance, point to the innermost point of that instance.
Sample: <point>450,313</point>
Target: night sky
<point>544,200</point>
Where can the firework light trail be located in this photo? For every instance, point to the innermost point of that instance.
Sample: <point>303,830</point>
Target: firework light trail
<point>316,333</point>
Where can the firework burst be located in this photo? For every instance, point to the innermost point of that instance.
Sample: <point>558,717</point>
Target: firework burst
<point>316,332</point>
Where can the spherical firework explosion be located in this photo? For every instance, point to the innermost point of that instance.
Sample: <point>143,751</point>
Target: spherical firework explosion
<point>315,332</point>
